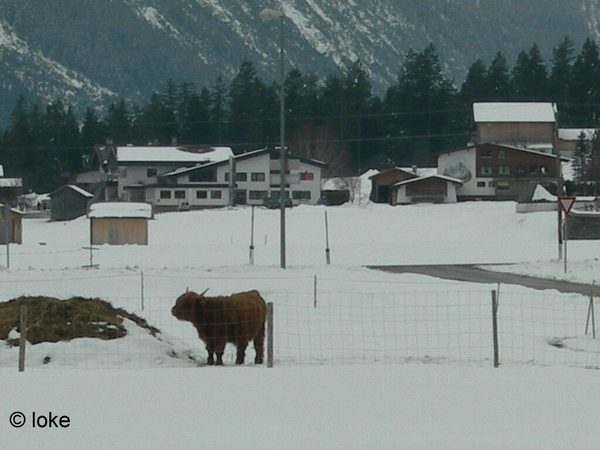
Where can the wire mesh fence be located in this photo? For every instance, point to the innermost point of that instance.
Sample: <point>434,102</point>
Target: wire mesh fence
<point>427,324</point>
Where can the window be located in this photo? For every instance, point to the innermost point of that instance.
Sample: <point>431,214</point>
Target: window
<point>165,194</point>
<point>532,170</point>
<point>501,154</point>
<point>201,194</point>
<point>486,170</point>
<point>486,153</point>
<point>481,184</point>
<point>257,176</point>
<point>203,175</point>
<point>301,195</point>
<point>504,170</point>
<point>307,176</point>
<point>215,194</point>
<point>151,173</point>
<point>257,195</point>
<point>276,194</point>
<point>241,176</point>
<point>502,186</point>
<point>179,194</point>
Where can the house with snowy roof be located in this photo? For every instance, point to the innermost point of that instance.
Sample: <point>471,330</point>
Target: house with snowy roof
<point>167,179</point>
<point>528,125</point>
<point>69,202</point>
<point>383,183</point>
<point>492,171</point>
<point>10,188</point>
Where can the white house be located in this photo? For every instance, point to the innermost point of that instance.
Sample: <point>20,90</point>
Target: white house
<point>165,180</point>
<point>139,167</point>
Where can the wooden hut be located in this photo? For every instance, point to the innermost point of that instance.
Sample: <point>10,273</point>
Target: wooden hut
<point>119,223</point>
<point>69,202</point>
<point>11,228</point>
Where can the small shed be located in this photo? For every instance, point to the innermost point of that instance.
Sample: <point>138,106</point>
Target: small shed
<point>119,223</point>
<point>69,202</point>
<point>429,189</point>
<point>12,227</point>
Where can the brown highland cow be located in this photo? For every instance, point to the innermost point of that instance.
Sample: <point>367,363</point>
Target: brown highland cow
<point>238,319</point>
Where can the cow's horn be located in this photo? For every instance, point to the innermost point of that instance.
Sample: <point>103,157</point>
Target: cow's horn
<point>204,292</point>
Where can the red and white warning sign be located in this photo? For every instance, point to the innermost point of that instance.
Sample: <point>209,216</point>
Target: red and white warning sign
<point>566,203</point>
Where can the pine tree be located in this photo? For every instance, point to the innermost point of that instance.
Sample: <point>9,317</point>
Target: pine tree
<point>530,77</point>
<point>475,88</point>
<point>561,71</point>
<point>92,132</point>
<point>581,157</point>
<point>196,126</point>
<point>585,86</point>
<point>118,123</point>
<point>218,110</point>
<point>422,104</point>
<point>498,79</point>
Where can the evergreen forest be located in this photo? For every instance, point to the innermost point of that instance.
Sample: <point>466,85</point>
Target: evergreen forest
<point>338,120</point>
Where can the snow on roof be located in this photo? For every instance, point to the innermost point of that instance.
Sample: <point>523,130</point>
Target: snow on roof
<point>420,171</point>
<point>120,210</point>
<point>541,193</point>
<point>572,134</point>
<point>11,182</point>
<point>414,170</point>
<point>171,155</point>
<point>81,191</point>
<point>441,177</point>
<point>514,112</point>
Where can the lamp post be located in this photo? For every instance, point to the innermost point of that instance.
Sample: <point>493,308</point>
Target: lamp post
<point>267,15</point>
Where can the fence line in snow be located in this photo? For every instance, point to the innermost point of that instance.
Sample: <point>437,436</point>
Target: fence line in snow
<point>442,327</point>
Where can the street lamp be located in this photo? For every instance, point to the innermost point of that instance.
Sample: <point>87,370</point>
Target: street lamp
<point>267,15</point>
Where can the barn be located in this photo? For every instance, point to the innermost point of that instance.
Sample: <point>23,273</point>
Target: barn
<point>69,202</point>
<point>11,228</point>
<point>119,223</point>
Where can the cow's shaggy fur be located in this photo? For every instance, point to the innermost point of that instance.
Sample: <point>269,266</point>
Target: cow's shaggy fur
<point>238,319</point>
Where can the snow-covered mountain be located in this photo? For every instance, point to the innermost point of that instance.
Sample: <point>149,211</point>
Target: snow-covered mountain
<point>92,51</point>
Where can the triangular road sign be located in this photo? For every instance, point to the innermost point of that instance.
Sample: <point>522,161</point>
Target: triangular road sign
<point>566,203</point>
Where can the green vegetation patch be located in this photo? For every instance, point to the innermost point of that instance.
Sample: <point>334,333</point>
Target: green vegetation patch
<point>53,320</point>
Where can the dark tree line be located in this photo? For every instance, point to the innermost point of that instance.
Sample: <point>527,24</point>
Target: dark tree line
<point>337,119</point>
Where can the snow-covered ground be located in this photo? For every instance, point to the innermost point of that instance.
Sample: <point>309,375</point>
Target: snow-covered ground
<point>373,360</point>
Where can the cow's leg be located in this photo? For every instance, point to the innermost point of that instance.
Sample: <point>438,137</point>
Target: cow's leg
<point>211,359</point>
<point>219,350</point>
<point>241,352</point>
<point>259,346</point>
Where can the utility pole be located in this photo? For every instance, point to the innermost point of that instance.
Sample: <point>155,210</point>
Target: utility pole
<point>559,184</point>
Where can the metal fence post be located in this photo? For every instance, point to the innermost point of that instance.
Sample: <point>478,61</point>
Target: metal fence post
<point>22,337</point>
<point>270,334</point>
<point>495,328</point>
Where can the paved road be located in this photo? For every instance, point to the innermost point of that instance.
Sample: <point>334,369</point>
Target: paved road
<point>474,274</point>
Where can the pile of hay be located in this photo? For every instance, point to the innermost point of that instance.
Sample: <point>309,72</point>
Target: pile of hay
<point>53,320</point>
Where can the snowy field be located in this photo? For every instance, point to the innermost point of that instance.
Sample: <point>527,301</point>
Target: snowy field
<point>372,360</point>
